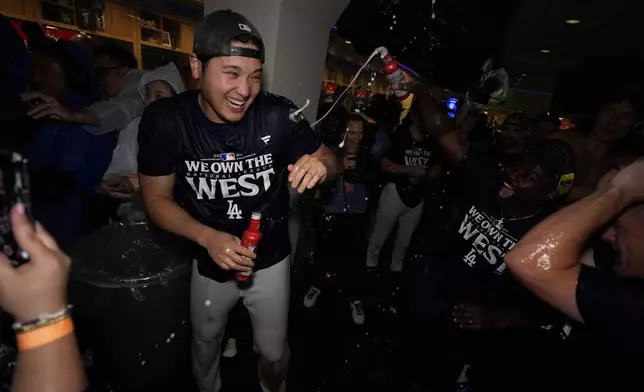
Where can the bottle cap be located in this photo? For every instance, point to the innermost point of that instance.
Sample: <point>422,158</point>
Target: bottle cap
<point>256,216</point>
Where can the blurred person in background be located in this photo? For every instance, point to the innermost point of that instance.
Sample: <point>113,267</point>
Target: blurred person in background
<point>67,161</point>
<point>343,223</point>
<point>545,124</point>
<point>17,130</point>
<point>512,138</point>
<point>602,149</point>
<point>121,177</point>
<point>331,129</point>
<point>548,260</point>
<point>35,295</point>
<point>412,161</point>
<point>118,78</point>
<point>381,120</point>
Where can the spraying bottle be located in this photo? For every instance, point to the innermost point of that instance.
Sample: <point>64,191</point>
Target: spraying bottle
<point>398,80</point>
<point>250,240</point>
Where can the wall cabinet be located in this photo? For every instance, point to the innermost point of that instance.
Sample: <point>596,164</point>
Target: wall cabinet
<point>119,21</point>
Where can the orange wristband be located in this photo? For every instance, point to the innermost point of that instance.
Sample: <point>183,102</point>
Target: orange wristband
<point>45,335</point>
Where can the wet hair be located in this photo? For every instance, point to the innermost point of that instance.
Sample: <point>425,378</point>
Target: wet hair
<point>122,56</point>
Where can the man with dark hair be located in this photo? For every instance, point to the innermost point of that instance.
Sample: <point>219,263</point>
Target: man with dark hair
<point>492,320</point>
<point>601,150</point>
<point>548,260</point>
<point>210,158</point>
<point>545,124</point>
<point>118,76</point>
<point>118,54</point>
<point>512,138</point>
<point>112,64</point>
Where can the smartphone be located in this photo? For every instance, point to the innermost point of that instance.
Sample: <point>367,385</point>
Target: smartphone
<point>14,189</point>
<point>33,103</point>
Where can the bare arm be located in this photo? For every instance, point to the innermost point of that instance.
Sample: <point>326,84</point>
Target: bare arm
<point>55,367</point>
<point>100,118</point>
<point>462,113</point>
<point>49,106</point>
<point>578,192</point>
<point>547,260</point>
<point>165,212</point>
<point>327,157</point>
<point>85,117</point>
<point>367,118</point>
<point>440,125</point>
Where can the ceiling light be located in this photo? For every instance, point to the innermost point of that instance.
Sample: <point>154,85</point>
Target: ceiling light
<point>349,42</point>
<point>545,50</point>
<point>573,21</point>
<point>524,75</point>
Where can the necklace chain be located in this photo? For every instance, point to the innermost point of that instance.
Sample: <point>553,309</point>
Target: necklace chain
<point>521,218</point>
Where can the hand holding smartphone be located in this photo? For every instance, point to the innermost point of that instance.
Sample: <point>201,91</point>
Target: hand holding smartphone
<point>14,189</point>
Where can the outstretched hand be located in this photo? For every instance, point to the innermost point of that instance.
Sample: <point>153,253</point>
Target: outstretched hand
<point>40,285</point>
<point>48,106</point>
<point>306,173</point>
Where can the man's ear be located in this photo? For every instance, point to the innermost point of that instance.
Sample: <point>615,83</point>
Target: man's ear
<point>196,66</point>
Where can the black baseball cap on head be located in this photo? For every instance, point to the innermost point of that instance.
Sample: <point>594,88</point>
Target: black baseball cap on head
<point>215,32</point>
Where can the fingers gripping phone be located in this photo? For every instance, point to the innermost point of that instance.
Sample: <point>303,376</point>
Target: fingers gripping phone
<point>14,189</point>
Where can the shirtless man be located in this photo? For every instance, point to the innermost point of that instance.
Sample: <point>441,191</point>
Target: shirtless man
<point>599,152</point>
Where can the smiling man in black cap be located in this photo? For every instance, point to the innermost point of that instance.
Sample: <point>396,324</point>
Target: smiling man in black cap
<point>207,160</point>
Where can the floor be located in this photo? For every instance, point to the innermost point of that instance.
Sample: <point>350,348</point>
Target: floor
<point>329,351</point>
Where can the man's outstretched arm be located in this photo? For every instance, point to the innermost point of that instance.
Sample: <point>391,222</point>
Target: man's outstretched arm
<point>547,260</point>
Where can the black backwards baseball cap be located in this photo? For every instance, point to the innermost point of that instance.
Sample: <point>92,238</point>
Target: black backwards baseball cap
<point>558,162</point>
<point>215,32</point>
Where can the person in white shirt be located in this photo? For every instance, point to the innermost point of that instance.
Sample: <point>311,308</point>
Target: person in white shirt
<point>121,178</point>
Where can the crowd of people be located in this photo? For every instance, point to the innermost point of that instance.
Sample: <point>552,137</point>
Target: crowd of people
<point>509,220</point>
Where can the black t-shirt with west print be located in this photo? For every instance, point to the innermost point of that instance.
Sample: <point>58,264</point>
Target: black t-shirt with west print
<point>405,150</point>
<point>480,237</point>
<point>225,172</point>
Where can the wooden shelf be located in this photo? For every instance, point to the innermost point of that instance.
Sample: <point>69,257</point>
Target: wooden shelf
<point>161,46</point>
<point>74,28</point>
<point>69,7</point>
<point>152,28</point>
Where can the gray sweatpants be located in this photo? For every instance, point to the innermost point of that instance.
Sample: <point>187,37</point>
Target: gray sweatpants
<point>391,210</point>
<point>267,302</point>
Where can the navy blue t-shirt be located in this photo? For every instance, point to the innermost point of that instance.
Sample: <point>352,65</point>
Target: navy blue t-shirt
<point>225,172</point>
